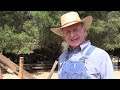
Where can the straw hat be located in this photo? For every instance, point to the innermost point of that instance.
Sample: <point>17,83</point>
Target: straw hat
<point>71,18</point>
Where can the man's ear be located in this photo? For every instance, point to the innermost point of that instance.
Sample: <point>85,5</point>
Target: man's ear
<point>86,31</point>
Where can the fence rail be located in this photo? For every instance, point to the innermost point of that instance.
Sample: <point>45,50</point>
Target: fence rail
<point>37,66</point>
<point>116,63</point>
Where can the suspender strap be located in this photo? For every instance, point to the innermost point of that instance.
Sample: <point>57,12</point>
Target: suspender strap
<point>89,51</point>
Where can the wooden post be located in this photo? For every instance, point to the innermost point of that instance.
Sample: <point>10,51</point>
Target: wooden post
<point>52,70</point>
<point>14,67</point>
<point>0,73</point>
<point>21,62</point>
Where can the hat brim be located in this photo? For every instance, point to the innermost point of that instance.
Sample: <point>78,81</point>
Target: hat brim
<point>87,21</point>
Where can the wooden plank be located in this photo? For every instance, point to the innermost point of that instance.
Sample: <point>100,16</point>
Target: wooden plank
<point>52,70</point>
<point>37,66</point>
<point>14,67</point>
<point>0,73</point>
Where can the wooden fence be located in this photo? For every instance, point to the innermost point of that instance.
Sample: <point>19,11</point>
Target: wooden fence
<point>116,63</point>
<point>21,69</point>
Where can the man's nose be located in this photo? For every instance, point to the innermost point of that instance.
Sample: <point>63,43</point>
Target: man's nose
<point>72,34</point>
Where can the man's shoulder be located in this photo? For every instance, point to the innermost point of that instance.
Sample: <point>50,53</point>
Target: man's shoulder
<point>100,51</point>
<point>63,54</point>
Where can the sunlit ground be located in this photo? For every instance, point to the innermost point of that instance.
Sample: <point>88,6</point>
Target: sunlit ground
<point>44,75</point>
<point>117,74</point>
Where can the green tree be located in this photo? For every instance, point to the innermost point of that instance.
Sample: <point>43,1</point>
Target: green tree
<point>21,32</point>
<point>13,29</point>
<point>105,29</point>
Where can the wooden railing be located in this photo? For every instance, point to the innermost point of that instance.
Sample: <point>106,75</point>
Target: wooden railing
<point>116,63</point>
<point>8,64</point>
<point>21,69</point>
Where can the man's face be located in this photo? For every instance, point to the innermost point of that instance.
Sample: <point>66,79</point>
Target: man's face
<point>75,34</point>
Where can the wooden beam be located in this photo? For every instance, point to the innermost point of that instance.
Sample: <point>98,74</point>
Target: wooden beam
<point>52,70</point>
<point>14,67</point>
<point>0,73</point>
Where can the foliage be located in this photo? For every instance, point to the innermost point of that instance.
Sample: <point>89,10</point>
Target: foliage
<point>23,32</point>
<point>105,29</point>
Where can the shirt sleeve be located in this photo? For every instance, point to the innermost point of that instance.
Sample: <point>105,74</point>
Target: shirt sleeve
<point>106,67</point>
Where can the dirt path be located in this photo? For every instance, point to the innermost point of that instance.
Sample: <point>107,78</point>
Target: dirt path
<point>44,75</point>
<point>117,74</point>
<point>39,75</point>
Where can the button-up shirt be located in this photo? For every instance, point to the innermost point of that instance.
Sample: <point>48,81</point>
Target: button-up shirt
<point>99,64</point>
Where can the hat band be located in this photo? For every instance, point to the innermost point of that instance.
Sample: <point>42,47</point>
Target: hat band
<point>71,22</point>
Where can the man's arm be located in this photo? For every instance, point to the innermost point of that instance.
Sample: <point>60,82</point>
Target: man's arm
<point>106,67</point>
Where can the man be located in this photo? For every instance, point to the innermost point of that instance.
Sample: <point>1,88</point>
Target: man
<point>81,60</point>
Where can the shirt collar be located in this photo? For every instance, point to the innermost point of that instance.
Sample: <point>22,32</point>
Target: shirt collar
<point>70,48</point>
<point>85,44</point>
<point>82,46</point>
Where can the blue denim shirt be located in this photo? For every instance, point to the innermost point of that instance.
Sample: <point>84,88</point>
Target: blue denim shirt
<point>98,65</point>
